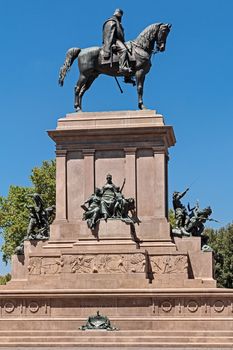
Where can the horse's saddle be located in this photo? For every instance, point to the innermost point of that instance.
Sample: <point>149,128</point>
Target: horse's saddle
<point>115,56</point>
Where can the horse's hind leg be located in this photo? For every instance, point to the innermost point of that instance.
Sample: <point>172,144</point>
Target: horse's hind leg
<point>77,90</point>
<point>86,86</point>
<point>82,86</point>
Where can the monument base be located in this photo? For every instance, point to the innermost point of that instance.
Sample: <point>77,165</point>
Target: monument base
<point>154,318</point>
<point>55,288</point>
<point>155,290</point>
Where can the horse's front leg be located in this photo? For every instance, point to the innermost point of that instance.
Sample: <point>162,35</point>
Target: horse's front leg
<point>140,78</point>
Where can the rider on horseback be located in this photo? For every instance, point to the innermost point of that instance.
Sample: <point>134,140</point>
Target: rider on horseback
<point>113,39</point>
<point>90,60</point>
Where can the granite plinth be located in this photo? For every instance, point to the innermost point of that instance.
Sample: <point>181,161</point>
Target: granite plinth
<point>128,144</point>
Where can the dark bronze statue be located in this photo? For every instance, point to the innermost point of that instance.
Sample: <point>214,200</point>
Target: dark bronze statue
<point>179,209</point>
<point>197,218</point>
<point>190,221</point>
<point>98,321</point>
<point>108,203</point>
<point>114,40</point>
<point>40,218</point>
<point>92,212</point>
<point>116,57</point>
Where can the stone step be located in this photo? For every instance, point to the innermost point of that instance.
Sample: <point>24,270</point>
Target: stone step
<point>109,345</point>
<point>114,339</point>
<point>115,347</point>
<point>125,333</point>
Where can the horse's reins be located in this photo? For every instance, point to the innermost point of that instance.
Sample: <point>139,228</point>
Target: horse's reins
<point>153,52</point>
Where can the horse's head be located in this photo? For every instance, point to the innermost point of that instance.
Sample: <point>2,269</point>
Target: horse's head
<point>163,32</point>
<point>156,32</point>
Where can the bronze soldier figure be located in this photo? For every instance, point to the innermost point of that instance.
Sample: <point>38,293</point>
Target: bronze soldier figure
<point>180,210</point>
<point>114,39</point>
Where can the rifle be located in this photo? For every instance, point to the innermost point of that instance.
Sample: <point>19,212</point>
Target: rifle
<point>214,220</point>
<point>192,183</point>
<point>123,185</point>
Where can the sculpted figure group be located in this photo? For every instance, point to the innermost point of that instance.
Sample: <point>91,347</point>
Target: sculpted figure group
<point>108,202</point>
<point>189,221</point>
<point>40,219</point>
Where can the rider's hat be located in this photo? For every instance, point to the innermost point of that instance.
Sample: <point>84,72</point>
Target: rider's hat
<point>118,12</point>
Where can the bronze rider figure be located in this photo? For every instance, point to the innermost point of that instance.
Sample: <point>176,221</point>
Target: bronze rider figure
<point>114,39</point>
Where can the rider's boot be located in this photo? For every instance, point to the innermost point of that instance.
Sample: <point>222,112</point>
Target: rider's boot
<point>129,80</point>
<point>124,64</point>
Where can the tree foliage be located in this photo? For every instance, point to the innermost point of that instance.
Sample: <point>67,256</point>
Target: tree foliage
<point>222,243</point>
<point>171,218</point>
<point>13,208</point>
<point>5,278</point>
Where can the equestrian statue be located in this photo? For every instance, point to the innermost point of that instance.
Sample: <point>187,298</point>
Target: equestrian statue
<point>116,57</point>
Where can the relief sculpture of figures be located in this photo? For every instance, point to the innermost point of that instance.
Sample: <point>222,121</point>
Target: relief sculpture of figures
<point>116,57</point>
<point>108,203</point>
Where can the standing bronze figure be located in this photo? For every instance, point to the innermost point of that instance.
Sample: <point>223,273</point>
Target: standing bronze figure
<point>181,213</point>
<point>117,57</point>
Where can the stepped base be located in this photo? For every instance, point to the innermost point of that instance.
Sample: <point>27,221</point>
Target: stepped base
<point>148,318</point>
<point>131,340</point>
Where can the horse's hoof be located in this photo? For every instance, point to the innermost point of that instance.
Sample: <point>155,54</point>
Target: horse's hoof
<point>141,106</point>
<point>78,109</point>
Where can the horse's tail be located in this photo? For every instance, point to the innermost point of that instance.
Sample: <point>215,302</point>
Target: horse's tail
<point>71,55</point>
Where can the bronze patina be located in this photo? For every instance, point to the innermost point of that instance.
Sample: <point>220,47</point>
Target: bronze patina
<point>40,219</point>
<point>116,57</point>
<point>98,322</point>
<point>109,203</point>
<point>190,221</point>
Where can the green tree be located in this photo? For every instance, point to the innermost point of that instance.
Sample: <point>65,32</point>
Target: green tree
<point>4,279</point>
<point>222,243</point>
<point>171,218</point>
<point>13,208</point>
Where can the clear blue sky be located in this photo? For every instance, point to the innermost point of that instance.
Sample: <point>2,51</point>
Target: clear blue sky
<point>190,84</point>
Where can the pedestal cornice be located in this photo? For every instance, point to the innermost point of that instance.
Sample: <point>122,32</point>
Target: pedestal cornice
<point>111,125</point>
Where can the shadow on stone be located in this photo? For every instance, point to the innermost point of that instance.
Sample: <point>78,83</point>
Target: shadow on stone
<point>95,231</point>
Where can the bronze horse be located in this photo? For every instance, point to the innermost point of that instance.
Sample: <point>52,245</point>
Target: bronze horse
<point>91,65</point>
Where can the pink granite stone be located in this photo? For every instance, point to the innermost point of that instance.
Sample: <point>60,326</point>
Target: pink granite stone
<point>159,292</point>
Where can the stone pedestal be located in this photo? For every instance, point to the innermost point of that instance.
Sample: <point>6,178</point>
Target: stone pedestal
<point>158,292</point>
<point>131,145</point>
